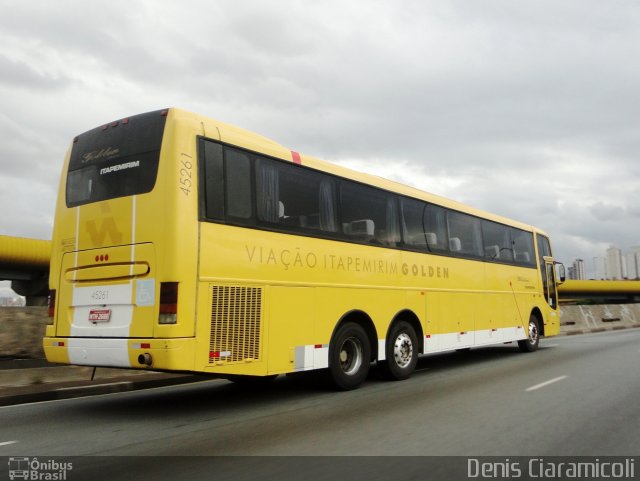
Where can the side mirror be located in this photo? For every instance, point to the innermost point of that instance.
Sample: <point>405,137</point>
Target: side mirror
<point>560,272</point>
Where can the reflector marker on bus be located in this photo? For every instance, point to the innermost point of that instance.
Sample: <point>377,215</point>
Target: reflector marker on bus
<point>295,156</point>
<point>312,356</point>
<point>219,354</point>
<point>143,345</point>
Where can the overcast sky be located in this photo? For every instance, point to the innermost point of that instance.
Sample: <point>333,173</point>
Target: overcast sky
<point>529,109</point>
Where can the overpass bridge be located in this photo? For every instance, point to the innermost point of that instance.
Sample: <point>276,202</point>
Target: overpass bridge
<point>599,292</point>
<point>25,262</point>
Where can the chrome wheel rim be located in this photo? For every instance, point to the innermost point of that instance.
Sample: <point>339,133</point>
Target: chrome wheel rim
<point>351,356</point>
<point>403,350</point>
<point>533,333</point>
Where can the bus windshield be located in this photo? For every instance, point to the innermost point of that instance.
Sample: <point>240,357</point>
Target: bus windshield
<point>116,160</point>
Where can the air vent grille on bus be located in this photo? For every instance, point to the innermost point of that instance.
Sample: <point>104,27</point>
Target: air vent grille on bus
<point>236,314</point>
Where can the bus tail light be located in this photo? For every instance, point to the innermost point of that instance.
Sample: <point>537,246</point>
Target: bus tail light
<point>51,303</point>
<point>168,303</point>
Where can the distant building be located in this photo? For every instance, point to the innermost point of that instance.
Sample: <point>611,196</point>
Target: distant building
<point>576,271</point>
<point>614,264</point>
<point>633,263</point>
<point>600,266</point>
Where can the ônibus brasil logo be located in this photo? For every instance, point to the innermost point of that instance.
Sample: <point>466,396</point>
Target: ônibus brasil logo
<point>36,470</point>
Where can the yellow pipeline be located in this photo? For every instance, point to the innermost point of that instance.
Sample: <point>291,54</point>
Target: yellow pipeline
<point>23,251</point>
<point>597,287</point>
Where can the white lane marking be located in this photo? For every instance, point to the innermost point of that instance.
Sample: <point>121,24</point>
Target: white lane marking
<point>546,383</point>
<point>7,443</point>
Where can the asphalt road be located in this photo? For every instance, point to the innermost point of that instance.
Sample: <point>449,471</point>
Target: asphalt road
<point>576,396</point>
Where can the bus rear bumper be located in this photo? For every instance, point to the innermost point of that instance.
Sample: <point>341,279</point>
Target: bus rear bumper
<point>161,354</point>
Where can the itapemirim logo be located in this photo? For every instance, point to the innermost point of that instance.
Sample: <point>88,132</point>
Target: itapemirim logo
<point>36,470</point>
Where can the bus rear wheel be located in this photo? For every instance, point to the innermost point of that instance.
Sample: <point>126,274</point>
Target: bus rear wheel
<point>349,356</point>
<point>533,340</point>
<point>401,352</point>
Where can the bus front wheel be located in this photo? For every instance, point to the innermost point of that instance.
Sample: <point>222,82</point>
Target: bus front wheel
<point>533,340</point>
<point>349,356</point>
<point>401,352</point>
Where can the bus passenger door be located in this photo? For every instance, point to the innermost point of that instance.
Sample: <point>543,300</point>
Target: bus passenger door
<point>547,271</point>
<point>550,284</point>
<point>552,321</point>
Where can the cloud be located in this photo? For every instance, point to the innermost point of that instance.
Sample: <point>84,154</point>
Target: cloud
<point>528,110</point>
<point>17,73</point>
<point>607,212</point>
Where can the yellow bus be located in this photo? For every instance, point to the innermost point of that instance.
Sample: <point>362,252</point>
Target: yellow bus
<point>185,244</point>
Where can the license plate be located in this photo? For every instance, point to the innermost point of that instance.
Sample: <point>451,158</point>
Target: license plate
<point>99,315</point>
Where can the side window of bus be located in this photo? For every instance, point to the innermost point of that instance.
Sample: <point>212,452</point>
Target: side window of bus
<point>412,225</point>
<point>213,180</point>
<point>294,197</point>
<point>465,236</point>
<point>544,249</point>
<point>267,191</point>
<point>497,241</point>
<point>238,184</point>
<point>227,183</point>
<point>424,226</point>
<point>434,222</point>
<point>523,247</point>
<point>368,214</point>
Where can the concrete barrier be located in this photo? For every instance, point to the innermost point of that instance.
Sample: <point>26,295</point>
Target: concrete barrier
<point>580,319</point>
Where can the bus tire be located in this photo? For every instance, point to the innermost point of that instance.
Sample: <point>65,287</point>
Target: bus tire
<point>530,344</point>
<point>349,356</point>
<point>401,352</point>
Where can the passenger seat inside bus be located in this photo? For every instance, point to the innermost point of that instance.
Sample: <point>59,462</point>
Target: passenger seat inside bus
<point>492,252</point>
<point>362,229</point>
<point>426,239</point>
<point>454,244</point>
<point>431,238</point>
